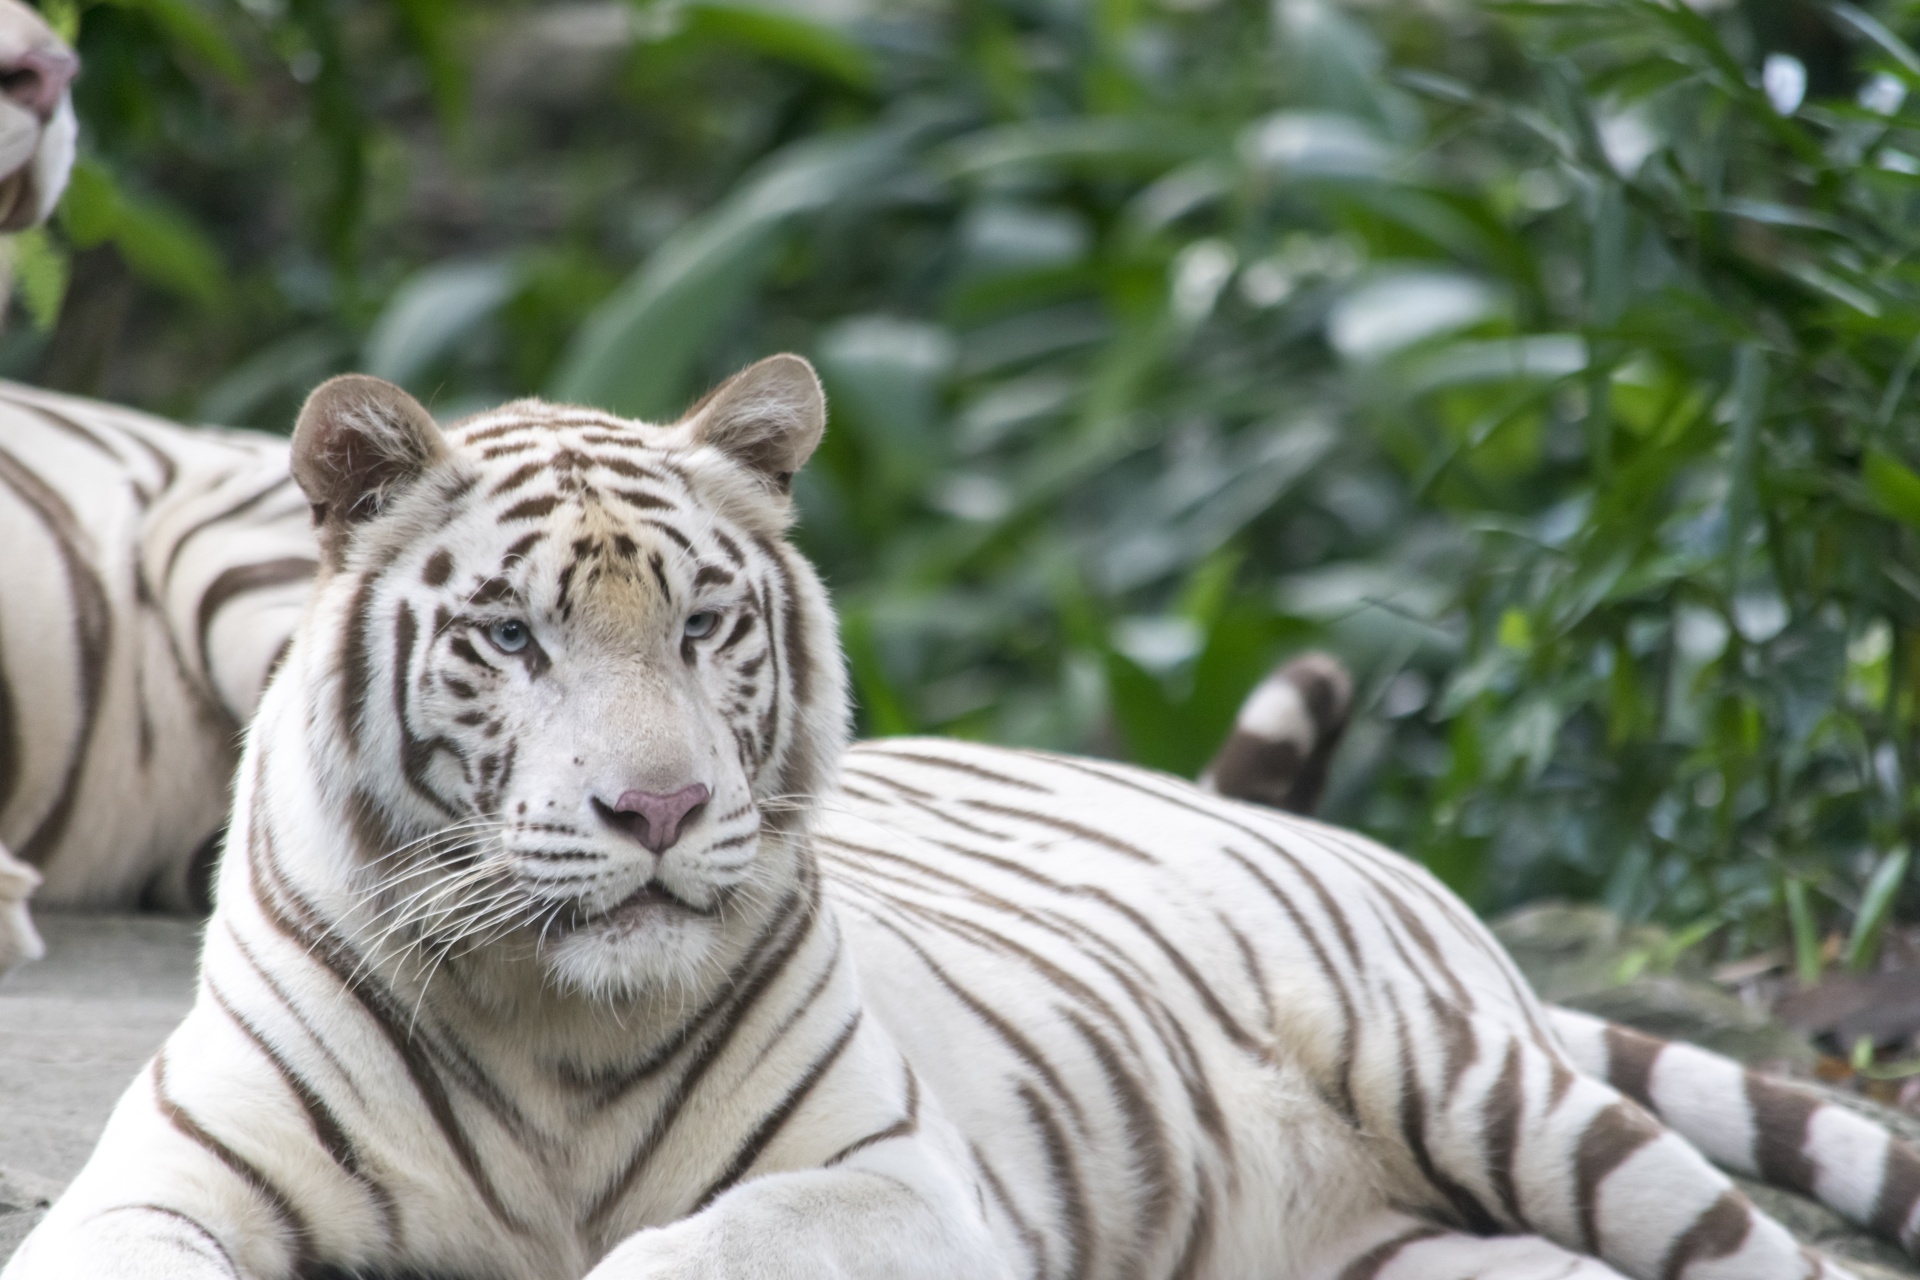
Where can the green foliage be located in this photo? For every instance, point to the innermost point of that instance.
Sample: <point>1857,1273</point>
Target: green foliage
<point>1549,362</point>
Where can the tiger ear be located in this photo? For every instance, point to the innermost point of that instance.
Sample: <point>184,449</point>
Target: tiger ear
<point>768,418</point>
<point>359,440</point>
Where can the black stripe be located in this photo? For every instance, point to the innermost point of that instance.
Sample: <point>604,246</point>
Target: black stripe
<point>237,581</point>
<point>1782,1120</point>
<point>231,511</point>
<point>1414,1114</point>
<point>301,924</point>
<point>1899,1190</point>
<point>1146,1136</point>
<point>1074,829</point>
<point>1066,1180</point>
<point>1613,1135</point>
<point>326,1126</point>
<point>732,1017</point>
<point>903,1127</point>
<point>955,766</point>
<point>1031,1239</point>
<point>1500,1132</point>
<point>198,1228</point>
<point>416,753</point>
<point>181,1119</point>
<point>775,1120</point>
<point>1371,1263</point>
<point>1717,1233</point>
<point>1015,1040</point>
<point>93,631</point>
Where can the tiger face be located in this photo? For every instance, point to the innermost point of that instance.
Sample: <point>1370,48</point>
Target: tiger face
<point>579,679</point>
<point>37,126</point>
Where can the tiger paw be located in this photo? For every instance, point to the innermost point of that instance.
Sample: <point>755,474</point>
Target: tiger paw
<point>19,940</point>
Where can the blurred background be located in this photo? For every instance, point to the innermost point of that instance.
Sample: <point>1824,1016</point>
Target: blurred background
<point>1550,363</point>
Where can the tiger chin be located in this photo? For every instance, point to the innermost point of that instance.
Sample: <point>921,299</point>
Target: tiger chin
<point>561,934</point>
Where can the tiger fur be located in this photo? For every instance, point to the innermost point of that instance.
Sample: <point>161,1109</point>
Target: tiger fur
<point>154,572</point>
<point>1283,739</point>
<point>561,934</point>
<point>37,135</point>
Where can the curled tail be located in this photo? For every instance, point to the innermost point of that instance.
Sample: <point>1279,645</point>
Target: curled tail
<point>1759,1126</point>
<point>1285,735</point>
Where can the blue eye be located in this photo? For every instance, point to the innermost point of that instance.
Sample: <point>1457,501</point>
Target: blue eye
<point>700,625</point>
<point>510,635</point>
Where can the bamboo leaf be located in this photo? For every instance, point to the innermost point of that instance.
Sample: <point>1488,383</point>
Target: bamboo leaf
<point>1876,910</point>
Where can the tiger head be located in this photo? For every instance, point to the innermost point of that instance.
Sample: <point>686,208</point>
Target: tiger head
<point>37,127</point>
<point>564,675</point>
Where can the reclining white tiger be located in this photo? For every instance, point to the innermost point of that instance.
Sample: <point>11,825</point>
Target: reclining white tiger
<point>152,572</point>
<point>535,954</point>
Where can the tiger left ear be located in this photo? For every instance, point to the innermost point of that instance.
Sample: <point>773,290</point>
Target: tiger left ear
<point>768,418</point>
<point>359,441</point>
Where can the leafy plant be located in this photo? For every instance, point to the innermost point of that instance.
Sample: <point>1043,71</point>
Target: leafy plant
<point>1549,362</point>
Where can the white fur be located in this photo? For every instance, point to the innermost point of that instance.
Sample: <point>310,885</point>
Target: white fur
<point>137,503</point>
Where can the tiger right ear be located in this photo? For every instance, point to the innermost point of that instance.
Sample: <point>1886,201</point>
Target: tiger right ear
<point>768,418</point>
<point>359,441</point>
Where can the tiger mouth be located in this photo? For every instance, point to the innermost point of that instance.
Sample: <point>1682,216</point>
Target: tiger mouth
<point>649,899</point>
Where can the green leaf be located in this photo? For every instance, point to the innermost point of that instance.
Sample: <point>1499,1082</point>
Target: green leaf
<point>1873,29</point>
<point>635,353</point>
<point>786,35</point>
<point>157,241</point>
<point>429,27</point>
<point>1895,489</point>
<point>40,274</point>
<point>1806,934</point>
<point>431,313</point>
<point>1876,910</point>
<point>1115,146</point>
<point>192,30</point>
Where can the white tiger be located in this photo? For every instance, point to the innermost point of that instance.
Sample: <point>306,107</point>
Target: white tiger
<point>548,944</point>
<point>94,726</point>
<point>37,125</point>
<point>154,574</point>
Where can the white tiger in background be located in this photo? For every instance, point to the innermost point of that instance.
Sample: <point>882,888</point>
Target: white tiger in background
<point>153,574</point>
<point>153,571</point>
<point>561,934</point>
<point>37,125</point>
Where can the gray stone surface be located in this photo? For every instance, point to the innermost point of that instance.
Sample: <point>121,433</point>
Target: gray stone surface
<point>74,1030</point>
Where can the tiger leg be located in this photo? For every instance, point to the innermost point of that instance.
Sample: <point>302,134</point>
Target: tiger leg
<point>1521,1141</point>
<point>128,1242</point>
<point>1394,1246</point>
<point>896,1211</point>
<point>19,940</point>
<point>1763,1127</point>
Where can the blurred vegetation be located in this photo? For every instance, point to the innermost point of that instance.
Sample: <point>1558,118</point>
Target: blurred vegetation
<point>1549,362</point>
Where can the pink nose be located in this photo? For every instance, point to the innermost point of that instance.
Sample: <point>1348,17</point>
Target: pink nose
<point>38,78</point>
<point>654,820</point>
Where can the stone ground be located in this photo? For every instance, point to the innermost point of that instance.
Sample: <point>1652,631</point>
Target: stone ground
<point>75,1028</point>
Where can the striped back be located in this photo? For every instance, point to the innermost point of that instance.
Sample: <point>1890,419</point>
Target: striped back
<point>156,573</point>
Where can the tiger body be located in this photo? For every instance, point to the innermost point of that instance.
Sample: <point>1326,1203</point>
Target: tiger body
<point>560,934</point>
<point>154,573</point>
